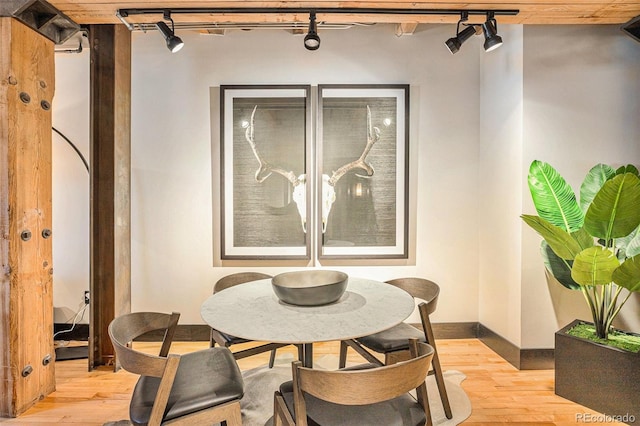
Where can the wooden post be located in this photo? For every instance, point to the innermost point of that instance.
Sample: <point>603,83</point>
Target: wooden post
<point>26,295</point>
<point>110,102</point>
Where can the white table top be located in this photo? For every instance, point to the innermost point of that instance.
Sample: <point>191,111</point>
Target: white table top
<point>252,311</point>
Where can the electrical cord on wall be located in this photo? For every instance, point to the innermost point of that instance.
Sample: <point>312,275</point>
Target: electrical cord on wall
<point>75,148</point>
<point>75,321</point>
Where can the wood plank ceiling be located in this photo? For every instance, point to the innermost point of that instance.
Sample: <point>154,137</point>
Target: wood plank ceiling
<point>530,12</point>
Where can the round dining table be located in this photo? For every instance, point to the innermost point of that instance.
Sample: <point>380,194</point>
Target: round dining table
<point>252,311</point>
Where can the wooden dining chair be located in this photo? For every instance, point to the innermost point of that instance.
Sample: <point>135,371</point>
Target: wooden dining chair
<point>392,343</point>
<point>202,387</point>
<point>226,340</point>
<point>362,395</point>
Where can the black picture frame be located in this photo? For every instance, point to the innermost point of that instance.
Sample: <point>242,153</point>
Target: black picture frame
<point>265,137</point>
<point>368,217</point>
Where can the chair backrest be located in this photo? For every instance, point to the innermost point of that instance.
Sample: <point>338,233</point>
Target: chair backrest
<point>238,278</point>
<point>124,329</point>
<point>422,289</point>
<point>366,386</point>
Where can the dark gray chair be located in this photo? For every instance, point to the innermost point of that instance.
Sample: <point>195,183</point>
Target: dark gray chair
<point>203,387</point>
<point>226,340</point>
<point>393,342</point>
<point>362,395</point>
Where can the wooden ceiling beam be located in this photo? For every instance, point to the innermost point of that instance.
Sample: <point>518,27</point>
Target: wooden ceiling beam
<point>531,11</point>
<point>406,28</point>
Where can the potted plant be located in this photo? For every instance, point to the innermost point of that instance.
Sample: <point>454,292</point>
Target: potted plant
<point>593,247</point>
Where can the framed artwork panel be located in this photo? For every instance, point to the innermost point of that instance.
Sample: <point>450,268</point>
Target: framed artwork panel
<point>362,162</point>
<point>265,134</point>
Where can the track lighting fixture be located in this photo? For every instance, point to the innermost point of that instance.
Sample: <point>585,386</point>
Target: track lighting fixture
<point>454,43</point>
<point>174,43</point>
<point>491,39</point>
<point>211,20</point>
<point>312,40</point>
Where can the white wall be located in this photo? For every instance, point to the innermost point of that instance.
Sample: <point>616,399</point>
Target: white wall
<point>172,232</point>
<point>70,187</point>
<point>499,185</point>
<point>581,87</point>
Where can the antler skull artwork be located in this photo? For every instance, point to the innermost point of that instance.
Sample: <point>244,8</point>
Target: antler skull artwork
<point>299,182</point>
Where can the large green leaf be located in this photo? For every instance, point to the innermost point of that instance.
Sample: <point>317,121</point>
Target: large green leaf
<point>583,238</point>
<point>594,266</point>
<point>592,183</point>
<point>553,198</point>
<point>614,211</point>
<point>633,247</point>
<point>560,269</point>
<point>629,168</point>
<point>560,241</point>
<point>628,274</point>
<point>630,243</point>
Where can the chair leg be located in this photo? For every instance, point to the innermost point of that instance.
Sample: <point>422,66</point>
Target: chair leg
<point>277,419</point>
<point>343,354</point>
<point>423,399</point>
<point>272,356</point>
<point>215,338</point>
<point>363,352</point>
<point>437,368</point>
<point>281,415</point>
<point>396,356</point>
<point>235,417</point>
<point>441,385</point>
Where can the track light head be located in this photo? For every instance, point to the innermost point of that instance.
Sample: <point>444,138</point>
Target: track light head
<point>174,43</point>
<point>312,40</point>
<point>491,38</point>
<point>454,43</point>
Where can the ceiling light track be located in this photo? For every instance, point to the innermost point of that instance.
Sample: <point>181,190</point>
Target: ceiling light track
<point>312,40</point>
<point>303,27</point>
<point>123,14</point>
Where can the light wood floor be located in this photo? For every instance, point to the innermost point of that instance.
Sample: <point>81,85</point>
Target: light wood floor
<point>499,393</point>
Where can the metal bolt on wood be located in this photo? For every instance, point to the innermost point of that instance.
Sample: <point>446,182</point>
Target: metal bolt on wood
<point>27,370</point>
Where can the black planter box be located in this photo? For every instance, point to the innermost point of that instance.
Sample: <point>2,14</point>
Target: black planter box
<point>597,376</point>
